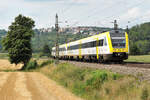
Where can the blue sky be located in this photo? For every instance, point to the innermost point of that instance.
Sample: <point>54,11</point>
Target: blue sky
<point>76,12</point>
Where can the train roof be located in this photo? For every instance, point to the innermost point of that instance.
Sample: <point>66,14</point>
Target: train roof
<point>111,31</point>
<point>84,38</point>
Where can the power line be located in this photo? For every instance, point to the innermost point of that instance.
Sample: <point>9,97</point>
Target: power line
<point>124,9</point>
<point>135,19</point>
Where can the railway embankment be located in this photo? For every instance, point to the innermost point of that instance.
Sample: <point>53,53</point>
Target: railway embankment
<point>139,70</point>
<point>91,82</point>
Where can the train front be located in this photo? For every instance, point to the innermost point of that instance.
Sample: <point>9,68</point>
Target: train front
<point>118,45</point>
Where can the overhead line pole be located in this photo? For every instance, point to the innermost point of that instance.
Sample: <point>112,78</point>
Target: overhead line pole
<point>57,39</point>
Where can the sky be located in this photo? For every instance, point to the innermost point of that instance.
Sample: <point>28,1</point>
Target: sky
<point>76,12</point>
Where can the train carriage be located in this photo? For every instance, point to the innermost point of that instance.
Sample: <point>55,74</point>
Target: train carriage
<point>108,46</point>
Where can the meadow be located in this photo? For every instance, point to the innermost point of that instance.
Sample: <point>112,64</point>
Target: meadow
<point>95,84</point>
<point>139,58</point>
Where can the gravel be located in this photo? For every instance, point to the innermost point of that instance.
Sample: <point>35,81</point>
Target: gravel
<point>140,70</point>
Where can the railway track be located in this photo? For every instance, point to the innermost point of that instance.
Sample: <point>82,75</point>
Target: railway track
<point>137,64</point>
<point>124,64</point>
<point>140,70</point>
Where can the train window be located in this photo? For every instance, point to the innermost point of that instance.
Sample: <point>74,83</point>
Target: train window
<point>85,45</point>
<point>118,43</point>
<point>74,47</point>
<point>100,42</point>
<point>62,49</point>
<point>94,44</point>
<point>105,42</point>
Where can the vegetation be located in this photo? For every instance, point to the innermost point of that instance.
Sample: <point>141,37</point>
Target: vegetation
<point>49,38</point>
<point>46,50</point>
<point>139,36</point>
<point>145,94</point>
<point>3,55</point>
<point>31,65</point>
<point>2,32</point>
<point>18,40</point>
<point>94,84</point>
<point>141,58</point>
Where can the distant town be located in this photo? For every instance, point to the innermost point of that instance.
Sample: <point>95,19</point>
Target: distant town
<point>90,30</point>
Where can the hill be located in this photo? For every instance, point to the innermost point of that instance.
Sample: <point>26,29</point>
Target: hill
<point>2,34</point>
<point>49,38</point>
<point>139,36</point>
<point>43,37</point>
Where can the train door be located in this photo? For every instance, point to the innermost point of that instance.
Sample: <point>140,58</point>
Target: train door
<point>97,49</point>
<point>80,51</point>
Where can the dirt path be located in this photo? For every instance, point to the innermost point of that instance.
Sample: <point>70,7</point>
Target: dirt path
<point>31,86</point>
<point>5,65</point>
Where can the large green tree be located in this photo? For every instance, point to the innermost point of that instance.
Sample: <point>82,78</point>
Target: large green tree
<point>18,40</point>
<point>139,36</point>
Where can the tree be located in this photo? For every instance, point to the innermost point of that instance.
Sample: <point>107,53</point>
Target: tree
<point>140,36</point>
<point>134,49</point>
<point>46,50</point>
<point>18,40</point>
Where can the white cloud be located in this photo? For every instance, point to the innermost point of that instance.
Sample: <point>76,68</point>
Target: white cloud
<point>130,14</point>
<point>43,12</point>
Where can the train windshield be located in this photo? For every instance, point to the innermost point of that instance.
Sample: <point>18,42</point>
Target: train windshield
<point>118,39</point>
<point>118,43</point>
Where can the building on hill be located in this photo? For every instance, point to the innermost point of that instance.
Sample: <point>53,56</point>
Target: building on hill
<point>91,30</point>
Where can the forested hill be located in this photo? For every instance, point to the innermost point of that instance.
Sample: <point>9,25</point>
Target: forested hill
<point>2,32</point>
<point>139,36</point>
<point>49,38</point>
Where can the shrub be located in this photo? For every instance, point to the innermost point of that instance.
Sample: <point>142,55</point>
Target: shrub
<point>97,79</point>
<point>116,76</point>
<point>144,95</point>
<point>79,88</point>
<point>41,54</point>
<point>46,63</point>
<point>31,65</point>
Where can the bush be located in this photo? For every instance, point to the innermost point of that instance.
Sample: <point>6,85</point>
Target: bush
<point>31,65</point>
<point>144,95</point>
<point>46,63</point>
<point>116,76</point>
<point>97,78</point>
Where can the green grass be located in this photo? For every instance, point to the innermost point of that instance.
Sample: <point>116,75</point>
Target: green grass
<point>140,58</point>
<point>3,55</point>
<point>95,84</point>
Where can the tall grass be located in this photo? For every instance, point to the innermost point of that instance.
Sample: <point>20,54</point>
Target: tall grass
<point>94,84</point>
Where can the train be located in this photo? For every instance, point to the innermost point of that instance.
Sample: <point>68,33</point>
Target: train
<point>112,45</point>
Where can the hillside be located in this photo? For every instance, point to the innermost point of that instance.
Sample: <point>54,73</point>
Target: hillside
<point>2,34</point>
<point>49,38</point>
<point>139,36</point>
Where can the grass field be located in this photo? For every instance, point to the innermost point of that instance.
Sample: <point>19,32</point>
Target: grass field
<point>95,84</point>
<point>3,55</point>
<point>140,58</point>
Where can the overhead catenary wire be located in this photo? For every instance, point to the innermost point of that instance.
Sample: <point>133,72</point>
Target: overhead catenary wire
<point>131,6</point>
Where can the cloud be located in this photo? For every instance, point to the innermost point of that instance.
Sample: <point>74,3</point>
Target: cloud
<point>86,12</point>
<point>131,13</point>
